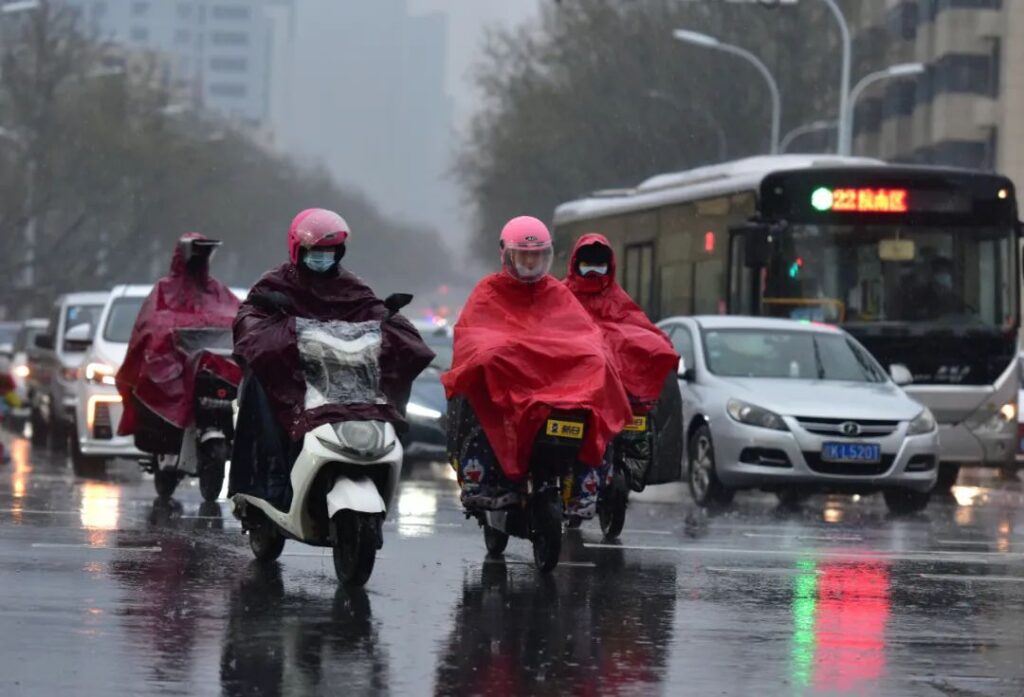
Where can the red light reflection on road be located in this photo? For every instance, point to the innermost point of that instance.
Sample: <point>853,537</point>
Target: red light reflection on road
<point>852,613</point>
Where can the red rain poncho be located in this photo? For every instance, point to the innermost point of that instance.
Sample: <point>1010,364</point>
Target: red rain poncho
<point>268,342</point>
<point>642,353</point>
<point>154,371</point>
<point>522,350</point>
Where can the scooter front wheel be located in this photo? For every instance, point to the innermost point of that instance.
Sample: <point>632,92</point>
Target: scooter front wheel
<point>356,540</point>
<point>495,540</point>
<point>547,534</point>
<point>165,482</point>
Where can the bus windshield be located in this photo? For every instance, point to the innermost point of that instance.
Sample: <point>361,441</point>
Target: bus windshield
<point>859,274</point>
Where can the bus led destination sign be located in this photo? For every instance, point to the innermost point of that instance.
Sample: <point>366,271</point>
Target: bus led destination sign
<point>861,200</point>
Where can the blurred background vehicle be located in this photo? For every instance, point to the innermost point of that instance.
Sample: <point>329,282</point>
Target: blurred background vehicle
<point>427,406</point>
<point>54,362</point>
<point>24,340</point>
<point>98,408</point>
<point>796,407</point>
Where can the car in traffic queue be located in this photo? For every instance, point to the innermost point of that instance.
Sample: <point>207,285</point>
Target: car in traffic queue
<point>54,362</point>
<point>426,438</point>
<point>796,407</point>
<point>98,405</point>
<point>23,341</point>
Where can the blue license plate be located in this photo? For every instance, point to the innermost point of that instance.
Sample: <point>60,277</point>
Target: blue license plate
<point>851,452</point>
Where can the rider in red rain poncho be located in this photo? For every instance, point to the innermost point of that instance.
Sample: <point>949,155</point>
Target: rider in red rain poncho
<point>524,346</point>
<point>642,353</point>
<point>154,380</point>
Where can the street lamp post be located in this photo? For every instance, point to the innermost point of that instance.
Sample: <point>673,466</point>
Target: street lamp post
<point>698,39</point>
<point>807,128</point>
<point>845,129</point>
<point>893,71</point>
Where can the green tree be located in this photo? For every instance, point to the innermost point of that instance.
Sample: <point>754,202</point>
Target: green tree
<point>568,105</point>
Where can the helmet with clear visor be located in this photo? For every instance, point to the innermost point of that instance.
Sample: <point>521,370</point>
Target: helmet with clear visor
<point>526,250</point>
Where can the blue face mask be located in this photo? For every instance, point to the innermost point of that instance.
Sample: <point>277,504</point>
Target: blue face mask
<point>319,261</point>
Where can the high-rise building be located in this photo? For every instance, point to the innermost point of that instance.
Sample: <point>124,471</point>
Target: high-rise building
<point>222,52</point>
<point>963,110</point>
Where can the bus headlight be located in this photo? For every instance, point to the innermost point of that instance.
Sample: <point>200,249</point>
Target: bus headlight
<point>993,419</point>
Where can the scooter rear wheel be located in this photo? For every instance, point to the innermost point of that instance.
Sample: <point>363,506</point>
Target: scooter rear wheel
<point>495,540</point>
<point>547,535</point>
<point>211,469</point>
<point>355,546</point>
<point>266,541</point>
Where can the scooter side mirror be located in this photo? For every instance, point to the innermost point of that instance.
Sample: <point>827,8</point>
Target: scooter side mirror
<point>396,301</point>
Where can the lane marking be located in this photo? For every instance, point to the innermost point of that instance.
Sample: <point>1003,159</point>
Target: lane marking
<point>880,555</point>
<point>86,545</point>
<point>522,562</point>
<point>966,543</point>
<point>36,511</point>
<point>421,524</point>
<point>964,578</point>
<point>818,538</point>
<point>646,532</point>
<point>775,571</point>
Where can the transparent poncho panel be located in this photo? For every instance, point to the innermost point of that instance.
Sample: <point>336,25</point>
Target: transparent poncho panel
<point>340,361</point>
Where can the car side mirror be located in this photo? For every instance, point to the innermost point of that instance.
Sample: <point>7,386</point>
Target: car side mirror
<point>79,337</point>
<point>685,374</point>
<point>45,342</point>
<point>900,374</point>
<point>396,301</point>
<point>757,243</point>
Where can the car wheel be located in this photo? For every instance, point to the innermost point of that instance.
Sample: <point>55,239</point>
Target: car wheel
<point>906,501</point>
<point>705,486</point>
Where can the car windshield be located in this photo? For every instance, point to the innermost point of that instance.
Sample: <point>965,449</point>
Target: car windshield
<point>121,319</point>
<point>858,274</point>
<point>799,355</point>
<point>27,337</point>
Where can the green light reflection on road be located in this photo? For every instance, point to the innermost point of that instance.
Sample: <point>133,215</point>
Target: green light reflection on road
<point>805,602</point>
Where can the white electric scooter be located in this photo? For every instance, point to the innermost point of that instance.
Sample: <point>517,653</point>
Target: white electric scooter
<point>347,473</point>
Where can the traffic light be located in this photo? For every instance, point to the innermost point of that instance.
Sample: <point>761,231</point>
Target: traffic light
<point>794,268</point>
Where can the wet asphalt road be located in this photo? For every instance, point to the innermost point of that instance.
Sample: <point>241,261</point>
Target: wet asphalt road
<point>106,592</point>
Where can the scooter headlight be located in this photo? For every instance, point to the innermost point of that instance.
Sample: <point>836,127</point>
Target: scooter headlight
<point>362,436</point>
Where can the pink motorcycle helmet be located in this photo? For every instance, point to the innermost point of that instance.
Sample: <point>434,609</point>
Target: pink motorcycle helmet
<point>526,249</point>
<point>316,227</point>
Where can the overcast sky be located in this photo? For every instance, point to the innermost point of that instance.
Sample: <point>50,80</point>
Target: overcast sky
<point>347,117</point>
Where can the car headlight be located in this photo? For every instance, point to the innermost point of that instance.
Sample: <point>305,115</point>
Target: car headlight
<point>100,374</point>
<point>995,420</point>
<point>755,416</point>
<point>414,409</point>
<point>22,371</point>
<point>922,423</point>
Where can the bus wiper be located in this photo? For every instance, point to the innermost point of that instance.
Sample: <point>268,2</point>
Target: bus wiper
<point>817,360</point>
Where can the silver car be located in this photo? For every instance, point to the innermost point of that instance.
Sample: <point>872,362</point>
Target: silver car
<point>796,407</point>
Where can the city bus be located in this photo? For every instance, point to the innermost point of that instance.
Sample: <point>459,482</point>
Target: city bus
<point>919,263</point>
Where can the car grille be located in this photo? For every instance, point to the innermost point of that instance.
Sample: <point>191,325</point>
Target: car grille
<point>848,469</point>
<point>102,427</point>
<point>833,427</point>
